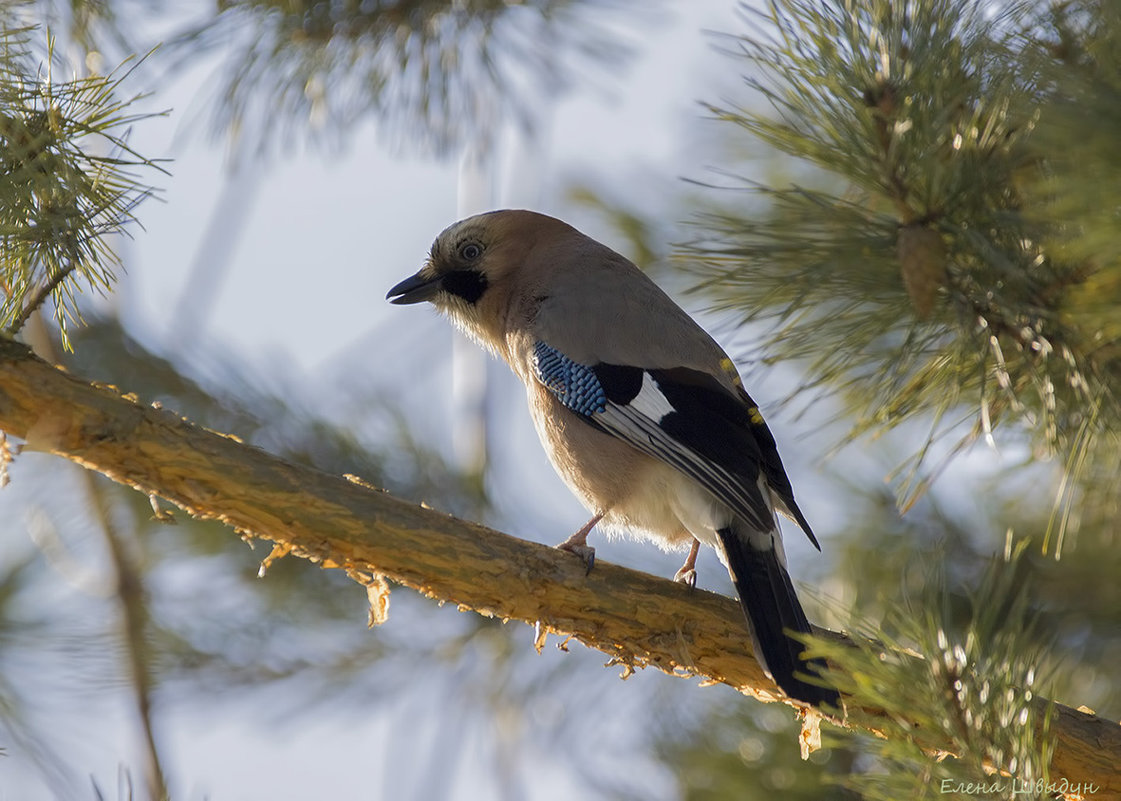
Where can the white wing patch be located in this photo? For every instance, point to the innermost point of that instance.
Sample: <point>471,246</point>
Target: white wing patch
<point>650,402</point>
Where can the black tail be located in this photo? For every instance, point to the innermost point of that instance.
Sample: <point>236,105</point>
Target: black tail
<point>767,597</point>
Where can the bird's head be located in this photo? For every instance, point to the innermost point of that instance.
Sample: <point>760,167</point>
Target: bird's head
<point>477,270</point>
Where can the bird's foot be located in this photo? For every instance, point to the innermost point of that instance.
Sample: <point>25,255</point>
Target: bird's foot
<point>578,543</point>
<point>687,576</point>
<point>586,552</point>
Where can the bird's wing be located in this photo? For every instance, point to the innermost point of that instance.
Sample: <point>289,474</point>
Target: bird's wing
<point>685,417</point>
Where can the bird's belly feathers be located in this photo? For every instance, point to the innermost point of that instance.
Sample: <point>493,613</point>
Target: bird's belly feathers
<point>636,493</point>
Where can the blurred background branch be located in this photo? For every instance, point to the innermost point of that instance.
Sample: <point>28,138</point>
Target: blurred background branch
<point>434,75</point>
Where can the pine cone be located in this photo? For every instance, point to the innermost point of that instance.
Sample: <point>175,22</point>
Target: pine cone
<point>922,259</point>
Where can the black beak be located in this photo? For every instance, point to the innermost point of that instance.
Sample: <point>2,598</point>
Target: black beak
<point>415,289</point>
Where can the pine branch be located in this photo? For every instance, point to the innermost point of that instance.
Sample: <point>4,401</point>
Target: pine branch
<point>947,246</point>
<point>68,181</point>
<point>41,294</point>
<point>637,619</point>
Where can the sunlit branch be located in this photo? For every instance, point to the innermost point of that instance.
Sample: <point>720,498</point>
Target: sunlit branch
<point>637,619</point>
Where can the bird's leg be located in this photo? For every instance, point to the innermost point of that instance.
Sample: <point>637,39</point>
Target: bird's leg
<point>688,572</point>
<point>578,542</point>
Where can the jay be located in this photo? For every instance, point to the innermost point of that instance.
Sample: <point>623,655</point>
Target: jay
<point>641,413</point>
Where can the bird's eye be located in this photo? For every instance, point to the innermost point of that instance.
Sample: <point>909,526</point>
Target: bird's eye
<point>470,251</point>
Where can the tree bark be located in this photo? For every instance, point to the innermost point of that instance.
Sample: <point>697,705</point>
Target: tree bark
<point>638,619</point>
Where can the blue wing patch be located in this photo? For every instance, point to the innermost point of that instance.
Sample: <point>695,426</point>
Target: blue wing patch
<point>574,384</point>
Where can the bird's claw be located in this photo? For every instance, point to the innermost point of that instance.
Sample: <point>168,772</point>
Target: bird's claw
<point>586,553</point>
<point>686,576</point>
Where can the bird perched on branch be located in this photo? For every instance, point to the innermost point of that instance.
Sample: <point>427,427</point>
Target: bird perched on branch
<point>641,413</point>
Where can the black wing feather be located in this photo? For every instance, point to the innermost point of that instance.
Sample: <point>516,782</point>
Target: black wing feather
<point>729,430</point>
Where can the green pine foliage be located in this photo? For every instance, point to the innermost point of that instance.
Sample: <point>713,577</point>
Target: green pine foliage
<point>954,695</point>
<point>940,257</point>
<point>68,182</point>
<point>942,252</point>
